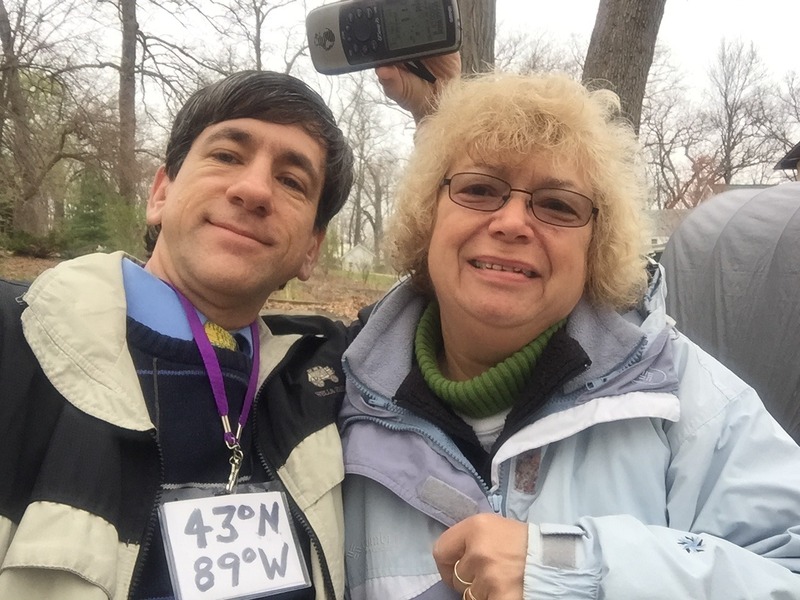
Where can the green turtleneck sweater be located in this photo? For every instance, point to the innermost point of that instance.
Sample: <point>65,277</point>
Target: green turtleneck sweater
<point>490,392</point>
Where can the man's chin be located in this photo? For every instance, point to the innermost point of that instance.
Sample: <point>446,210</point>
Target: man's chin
<point>228,274</point>
<point>231,281</point>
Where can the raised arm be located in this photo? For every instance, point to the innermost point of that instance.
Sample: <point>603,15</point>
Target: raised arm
<point>413,93</point>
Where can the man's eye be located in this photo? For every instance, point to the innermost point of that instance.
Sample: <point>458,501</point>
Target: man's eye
<point>292,183</point>
<point>225,157</point>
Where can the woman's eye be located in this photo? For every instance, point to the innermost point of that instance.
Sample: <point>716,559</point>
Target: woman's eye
<point>479,190</point>
<point>557,205</point>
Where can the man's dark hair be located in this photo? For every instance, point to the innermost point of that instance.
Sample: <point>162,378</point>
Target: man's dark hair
<point>274,98</point>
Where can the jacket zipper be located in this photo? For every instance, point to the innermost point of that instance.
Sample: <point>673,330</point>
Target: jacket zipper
<point>144,547</point>
<point>633,359</point>
<point>272,473</point>
<point>497,499</point>
<point>503,472</point>
<point>457,456</point>
<point>300,518</point>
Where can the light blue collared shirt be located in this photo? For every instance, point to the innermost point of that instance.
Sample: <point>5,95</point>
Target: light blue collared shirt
<point>153,303</point>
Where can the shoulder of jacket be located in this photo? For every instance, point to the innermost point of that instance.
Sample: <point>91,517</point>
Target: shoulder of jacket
<point>314,325</point>
<point>10,289</point>
<point>11,302</point>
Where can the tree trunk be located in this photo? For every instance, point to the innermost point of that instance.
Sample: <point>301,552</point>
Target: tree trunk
<point>379,185</point>
<point>127,172</point>
<point>478,23</point>
<point>621,50</point>
<point>29,212</point>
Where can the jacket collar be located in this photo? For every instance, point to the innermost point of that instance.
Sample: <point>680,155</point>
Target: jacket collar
<point>75,324</point>
<point>615,343</point>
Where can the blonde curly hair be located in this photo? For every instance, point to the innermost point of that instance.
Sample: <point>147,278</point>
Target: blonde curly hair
<point>506,117</point>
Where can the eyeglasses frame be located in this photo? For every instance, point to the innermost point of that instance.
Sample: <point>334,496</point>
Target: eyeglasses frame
<point>446,182</point>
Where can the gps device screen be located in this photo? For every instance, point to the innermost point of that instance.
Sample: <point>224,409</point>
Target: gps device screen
<point>413,22</point>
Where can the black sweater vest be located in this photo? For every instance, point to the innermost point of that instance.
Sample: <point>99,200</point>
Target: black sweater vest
<point>189,432</point>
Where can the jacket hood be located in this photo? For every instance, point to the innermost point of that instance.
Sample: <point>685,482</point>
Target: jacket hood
<point>627,350</point>
<point>394,318</point>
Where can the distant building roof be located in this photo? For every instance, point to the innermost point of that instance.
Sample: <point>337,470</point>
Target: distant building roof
<point>358,250</point>
<point>719,188</point>
<point>789,161</point>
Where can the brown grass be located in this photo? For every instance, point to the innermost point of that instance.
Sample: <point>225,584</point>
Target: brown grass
<point>334,296</point>
<point>23,268</point>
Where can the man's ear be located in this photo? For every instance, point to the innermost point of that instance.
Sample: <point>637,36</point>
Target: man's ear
<point>312,255</point>
<point>158,197</point>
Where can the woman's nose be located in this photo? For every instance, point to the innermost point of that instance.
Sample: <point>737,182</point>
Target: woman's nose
<point>515,217</point>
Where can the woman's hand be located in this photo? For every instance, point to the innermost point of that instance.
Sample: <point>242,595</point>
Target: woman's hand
<point>491,552</point>
<point>412,92</point>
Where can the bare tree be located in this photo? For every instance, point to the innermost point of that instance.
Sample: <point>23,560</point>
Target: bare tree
<point>621,50</point>
<point>27,209</point>
<point>526,54</point>
<point>790,99</point>
<point>382,171</point>
<point>40,116</point>
<point>741,113</point>
<point>619,55</point>
<point>786,129</point>
<point>673,134</point>
<point>376,165</point>
<point>246,23</point>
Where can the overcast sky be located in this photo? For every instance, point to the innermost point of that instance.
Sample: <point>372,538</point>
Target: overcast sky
<point>692,29</point>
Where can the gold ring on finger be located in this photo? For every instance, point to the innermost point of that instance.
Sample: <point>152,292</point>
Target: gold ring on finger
<point>459,579</point>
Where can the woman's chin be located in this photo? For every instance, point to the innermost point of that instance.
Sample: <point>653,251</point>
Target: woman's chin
<point>505,315</point>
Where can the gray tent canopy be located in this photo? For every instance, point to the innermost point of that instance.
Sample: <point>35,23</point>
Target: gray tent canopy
<point>733,286</point>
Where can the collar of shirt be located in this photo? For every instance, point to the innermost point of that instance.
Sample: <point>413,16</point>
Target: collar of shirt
<point>153,303</point>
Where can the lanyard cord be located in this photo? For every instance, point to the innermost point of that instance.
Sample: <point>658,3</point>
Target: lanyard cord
<point>214,372</point>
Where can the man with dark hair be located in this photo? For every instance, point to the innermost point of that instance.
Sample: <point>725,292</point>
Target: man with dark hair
<point>117,415</point>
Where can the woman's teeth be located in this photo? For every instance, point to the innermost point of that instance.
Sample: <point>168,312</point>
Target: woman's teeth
<point>495,267</point>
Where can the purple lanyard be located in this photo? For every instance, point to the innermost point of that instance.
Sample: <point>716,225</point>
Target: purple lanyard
<point>214,372</point>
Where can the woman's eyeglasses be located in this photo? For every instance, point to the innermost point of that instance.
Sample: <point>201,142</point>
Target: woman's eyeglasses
<point>563,208</point>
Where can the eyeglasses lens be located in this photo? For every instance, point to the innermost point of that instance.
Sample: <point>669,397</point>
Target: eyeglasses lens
<point>486,193</point>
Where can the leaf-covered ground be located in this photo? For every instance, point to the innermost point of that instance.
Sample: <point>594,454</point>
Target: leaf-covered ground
<point>23,268</point>
<point>332,295</point>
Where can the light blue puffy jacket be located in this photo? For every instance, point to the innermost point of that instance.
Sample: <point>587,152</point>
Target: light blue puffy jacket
<point>655,474</point>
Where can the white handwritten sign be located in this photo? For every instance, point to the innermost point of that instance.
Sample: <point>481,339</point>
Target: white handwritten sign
<point>231,547</point>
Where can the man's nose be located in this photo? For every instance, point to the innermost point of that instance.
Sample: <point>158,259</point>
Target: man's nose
<point>253,189</point>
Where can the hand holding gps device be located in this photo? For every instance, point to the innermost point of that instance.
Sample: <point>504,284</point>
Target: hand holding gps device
<point>360,34</point>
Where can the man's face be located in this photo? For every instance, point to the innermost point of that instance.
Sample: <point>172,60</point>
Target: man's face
<point>237,222</point>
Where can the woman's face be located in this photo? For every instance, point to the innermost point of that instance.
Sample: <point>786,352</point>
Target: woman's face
<point>507,269</point>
